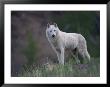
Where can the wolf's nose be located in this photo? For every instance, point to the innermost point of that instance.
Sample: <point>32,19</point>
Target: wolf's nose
<point>53,35</point>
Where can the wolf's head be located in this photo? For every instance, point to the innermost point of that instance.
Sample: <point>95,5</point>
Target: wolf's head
<point>52,30</point>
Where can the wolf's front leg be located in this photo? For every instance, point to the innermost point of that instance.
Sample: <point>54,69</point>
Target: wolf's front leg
<point>62,56</point>
<point>58,52</point>
<point>58,55</point>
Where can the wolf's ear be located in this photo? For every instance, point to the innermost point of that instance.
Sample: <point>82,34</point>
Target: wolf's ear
<point>55,24</point>
<point>48,25</point>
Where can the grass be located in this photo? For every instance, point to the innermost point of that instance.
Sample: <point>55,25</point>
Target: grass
<point>70,69</point>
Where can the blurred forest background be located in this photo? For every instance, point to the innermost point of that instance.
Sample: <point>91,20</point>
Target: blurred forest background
<point>30,49</point>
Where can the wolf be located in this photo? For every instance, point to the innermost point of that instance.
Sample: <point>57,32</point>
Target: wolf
<point>60,41</point>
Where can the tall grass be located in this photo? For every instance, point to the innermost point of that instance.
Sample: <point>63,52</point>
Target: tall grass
<point>70,69</point>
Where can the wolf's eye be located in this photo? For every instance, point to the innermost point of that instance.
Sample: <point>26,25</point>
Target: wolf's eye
<point>50,31</point>
<point>54,30</point>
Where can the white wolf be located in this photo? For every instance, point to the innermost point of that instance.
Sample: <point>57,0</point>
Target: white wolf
<point>61,40</point>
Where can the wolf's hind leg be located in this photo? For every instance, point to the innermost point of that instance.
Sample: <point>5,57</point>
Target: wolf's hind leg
<point>75,55</point>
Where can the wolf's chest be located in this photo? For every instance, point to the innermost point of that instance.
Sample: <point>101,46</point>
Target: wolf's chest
<point>56,45</point>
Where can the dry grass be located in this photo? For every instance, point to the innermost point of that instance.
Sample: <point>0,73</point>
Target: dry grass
<point>70,69</point>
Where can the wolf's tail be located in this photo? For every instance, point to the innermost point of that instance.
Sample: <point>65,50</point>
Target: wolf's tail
<point>87,55</point>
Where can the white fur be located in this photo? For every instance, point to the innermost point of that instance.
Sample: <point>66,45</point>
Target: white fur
<point>63,40</point>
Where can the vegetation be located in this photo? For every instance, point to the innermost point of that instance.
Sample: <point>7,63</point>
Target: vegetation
<point>70,69</point>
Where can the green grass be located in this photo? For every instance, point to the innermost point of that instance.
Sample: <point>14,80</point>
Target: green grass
<point>70,69</point>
